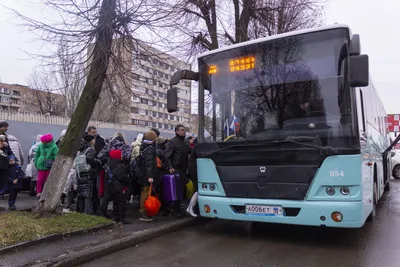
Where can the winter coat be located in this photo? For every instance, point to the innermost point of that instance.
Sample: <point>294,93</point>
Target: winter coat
<point>192,167</point>
<point>147,163</point>
<point>16,149</point>
<point>15,172</point>
<point>6,151</point>
<point>59,141</point>
<point>177,153</point>
<point>100,144</point>
<point>160,152</point>
<point>31,157</point>
<point>136,146</point>
<point>71,181</point>
<point>85,180</point>
<point>116,143</point>
<point>4,158</point>
<point>45,151</point>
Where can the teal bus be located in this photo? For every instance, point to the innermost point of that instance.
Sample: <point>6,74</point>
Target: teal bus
<point>296,132</point>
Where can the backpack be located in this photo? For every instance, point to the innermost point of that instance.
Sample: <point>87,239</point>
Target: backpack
<point>139,162</point>
<point>80,162</point>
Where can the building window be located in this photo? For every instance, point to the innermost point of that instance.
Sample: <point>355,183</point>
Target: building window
<point>134,121</point>
<point>4,90</point>
<point>154,124</point>
<point>166,116</point>
<point>160,105</point>
<point>165,126</point>
<point>144,101</point>
<point>134,110</point>
<point>154,114</point>
<point>142,123</point>
<point>16,93</point>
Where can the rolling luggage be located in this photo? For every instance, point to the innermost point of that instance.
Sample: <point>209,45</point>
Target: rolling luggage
<point>172,187</point>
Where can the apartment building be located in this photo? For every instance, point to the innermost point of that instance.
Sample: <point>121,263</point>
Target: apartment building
<point>151,71</point>
<point>21,98</point>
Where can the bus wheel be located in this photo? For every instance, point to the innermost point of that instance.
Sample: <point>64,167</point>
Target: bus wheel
<point>396,172</point>
<point>375,197</point>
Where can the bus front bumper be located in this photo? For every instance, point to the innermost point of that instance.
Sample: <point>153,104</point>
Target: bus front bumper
<point>313,213</point>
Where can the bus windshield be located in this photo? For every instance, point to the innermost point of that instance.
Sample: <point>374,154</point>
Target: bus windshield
<point>294,86</point>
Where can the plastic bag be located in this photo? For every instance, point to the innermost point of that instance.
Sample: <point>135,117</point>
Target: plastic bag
<point>152,204</point>
<point>189,189</point>
<point>29,170</point>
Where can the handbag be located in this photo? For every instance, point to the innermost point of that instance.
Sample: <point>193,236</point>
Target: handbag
<point>152,205</point>
<point>48,163</point>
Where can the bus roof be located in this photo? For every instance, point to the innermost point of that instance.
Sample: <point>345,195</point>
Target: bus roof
<point>277,36</point>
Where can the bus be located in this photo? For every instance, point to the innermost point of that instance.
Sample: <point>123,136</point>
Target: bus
<point>297,131</point>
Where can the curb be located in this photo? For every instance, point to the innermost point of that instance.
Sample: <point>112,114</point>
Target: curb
<point>54,237</point>
<point>113,246</point>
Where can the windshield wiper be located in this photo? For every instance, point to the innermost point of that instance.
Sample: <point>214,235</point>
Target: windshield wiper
<point>297,140</point>
<point>290,139</point>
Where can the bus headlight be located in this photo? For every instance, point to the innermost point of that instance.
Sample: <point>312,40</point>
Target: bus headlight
<point>345,190</point>
<point>204,187</point>
<point>212,187</point>
<point>330,191</point>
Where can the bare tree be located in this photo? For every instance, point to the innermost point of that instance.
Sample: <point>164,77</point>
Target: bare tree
<point>70,76</point>
<point>43,98</point>
<point>104,30</point>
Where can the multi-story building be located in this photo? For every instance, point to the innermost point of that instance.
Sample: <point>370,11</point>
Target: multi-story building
<point>21,98</point>
<point>151,71</point>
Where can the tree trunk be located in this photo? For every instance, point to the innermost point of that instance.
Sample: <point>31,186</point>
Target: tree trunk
<point>54,186</point>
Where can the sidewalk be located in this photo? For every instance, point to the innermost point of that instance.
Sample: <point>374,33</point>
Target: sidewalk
<point>39,253</point>
<point>24,202</point>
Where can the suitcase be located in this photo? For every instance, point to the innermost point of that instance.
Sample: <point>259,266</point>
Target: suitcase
<point>172,187</point>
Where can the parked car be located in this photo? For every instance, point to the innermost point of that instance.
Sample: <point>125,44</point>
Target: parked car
<point>396,164</point>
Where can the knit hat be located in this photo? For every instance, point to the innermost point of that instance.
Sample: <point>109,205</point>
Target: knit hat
<point>46,138</point>
<point>88,138</point>
<point>115,154</point>
<point>150,135</point>
<point>3,124</point>
<point>11,157</point>
<point>156,131</point>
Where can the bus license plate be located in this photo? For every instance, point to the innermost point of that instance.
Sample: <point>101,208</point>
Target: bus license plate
<point>263,210</point>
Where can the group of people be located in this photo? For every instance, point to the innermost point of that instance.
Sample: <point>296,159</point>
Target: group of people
<point>113,170</point>
<point>11,160</point>
<point>104,170</point>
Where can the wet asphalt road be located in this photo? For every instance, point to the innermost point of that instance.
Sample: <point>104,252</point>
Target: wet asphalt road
<point>225,243</point>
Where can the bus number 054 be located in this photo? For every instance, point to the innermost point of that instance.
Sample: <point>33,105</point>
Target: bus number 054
<point>336,173</point>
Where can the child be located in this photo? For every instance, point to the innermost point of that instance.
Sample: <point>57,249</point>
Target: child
<point>15,176</point>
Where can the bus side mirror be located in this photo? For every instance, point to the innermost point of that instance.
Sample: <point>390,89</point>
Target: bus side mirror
<point>172,100</point>
<point>359,71</point>
<point>392,154</point>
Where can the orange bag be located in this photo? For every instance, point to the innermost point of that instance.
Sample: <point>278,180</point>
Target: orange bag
<point>152,204</point>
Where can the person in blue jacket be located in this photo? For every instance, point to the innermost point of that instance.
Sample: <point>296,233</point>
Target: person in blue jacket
<point>15,176</point>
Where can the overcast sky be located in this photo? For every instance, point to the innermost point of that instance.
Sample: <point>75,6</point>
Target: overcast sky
<point>378,31</point>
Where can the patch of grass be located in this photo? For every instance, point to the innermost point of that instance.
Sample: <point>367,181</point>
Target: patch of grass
<point>17,227</point>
